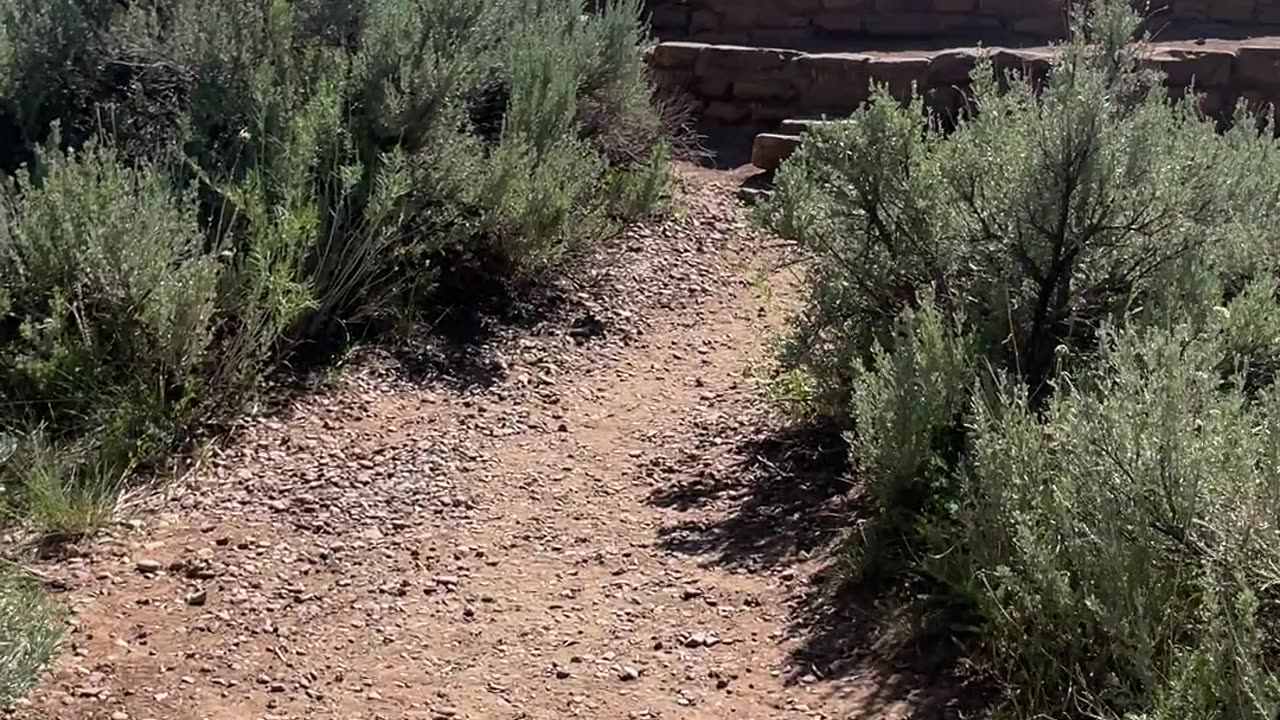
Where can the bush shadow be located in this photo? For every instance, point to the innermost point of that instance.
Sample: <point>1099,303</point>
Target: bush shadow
<point>785,497</point>
<point>476,316</point>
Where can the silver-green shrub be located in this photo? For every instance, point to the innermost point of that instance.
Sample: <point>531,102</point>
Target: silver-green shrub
<point>1052,331</point>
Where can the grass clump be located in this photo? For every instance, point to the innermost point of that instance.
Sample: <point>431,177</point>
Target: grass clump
<point>1051,331</point>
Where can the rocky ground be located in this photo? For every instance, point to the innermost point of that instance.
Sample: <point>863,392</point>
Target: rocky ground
<point>582,511</point>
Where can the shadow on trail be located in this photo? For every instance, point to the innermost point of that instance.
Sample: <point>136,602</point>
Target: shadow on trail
<point>790,491</point>
<point>786,497</point>
<point>475,316</point>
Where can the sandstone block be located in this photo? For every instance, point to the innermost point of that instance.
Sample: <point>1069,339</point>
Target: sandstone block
<point>1032,64</point>
<point>775,89</point>
<point>782,37</point>
<point>800,126</point>
<point>1232,9</point>
<point>904,6</point>
<point>903,74</point>
<point>703,19</point>
<point>973,25</point>
<point>839,21</point>
<point>1209,68</point>
<point>945,102</point>
<point>712,88</point>
<point>766,112</point>
<point>904,24</point>
<point>726,112</point>
<point>1191,9</point>
<point>1258,65</point>
<point>1262,102</point>
<point>739,61</point>
<point>1018,8</point>
<point>955,6</point>
<point>770,150</point>
<point>838,82</point>
<point>1049,27</point>
<point>669,17</point>
<point>677,55</point>
<point>951,67</point>
<point>672,80</point>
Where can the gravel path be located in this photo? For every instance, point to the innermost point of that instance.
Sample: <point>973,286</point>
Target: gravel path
<point>588,515</point>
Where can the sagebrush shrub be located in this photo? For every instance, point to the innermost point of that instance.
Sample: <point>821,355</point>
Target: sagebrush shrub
<point>1120,541</point>
<point>318,165</point>
<point>1051,328</point>
<point>107,290</point>
<point>1037,218</point>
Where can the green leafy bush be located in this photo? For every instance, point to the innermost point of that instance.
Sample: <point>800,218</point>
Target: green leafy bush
<point>1051,330</point>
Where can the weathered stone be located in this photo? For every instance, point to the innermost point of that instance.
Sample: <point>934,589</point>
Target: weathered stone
<point>969,25</point>
<point>1268,14</point>
<point>703,20</point>
<point>903,6</point>
<point>904,24</point>
<point>736,61</point>
<point>770,149</point>
<point>839,21</point>
<point>1208,68</point>
<point>672,80</point>
<point>1033,64</point>
<point>1260,103</point>
<point>677,55</point>
<point>667,17</point>
<point>799,126</point>
<point>1041,26</point>
<point>945,101</point>
<point>1191,9</point>
<point>726,112</point>
<point>770,88</point>
<point>951,67</point>
<point>782,37</point>
<point>771,113</point>
<point>716,88</point>
<point>1015,8</point>
<point>1232,9</point>
<point>903,74</point>
<point>833,81</point>
<point>1258,65</point>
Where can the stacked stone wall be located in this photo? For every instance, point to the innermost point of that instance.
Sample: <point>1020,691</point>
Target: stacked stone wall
<point>738,84</point>
<point>807,23</point>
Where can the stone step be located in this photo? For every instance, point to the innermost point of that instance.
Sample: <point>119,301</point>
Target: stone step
<point>770,149</point>
<point>738,84</point>
<point>799,126</point>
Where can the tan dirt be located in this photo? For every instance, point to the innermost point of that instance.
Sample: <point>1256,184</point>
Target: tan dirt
<point>588,514</point>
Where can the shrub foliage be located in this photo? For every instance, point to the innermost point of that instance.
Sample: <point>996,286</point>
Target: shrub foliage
<point>1051,329</point>
<point>193,189</point>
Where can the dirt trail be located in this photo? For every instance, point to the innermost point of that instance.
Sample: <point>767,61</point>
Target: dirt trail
<point>588,514</point>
